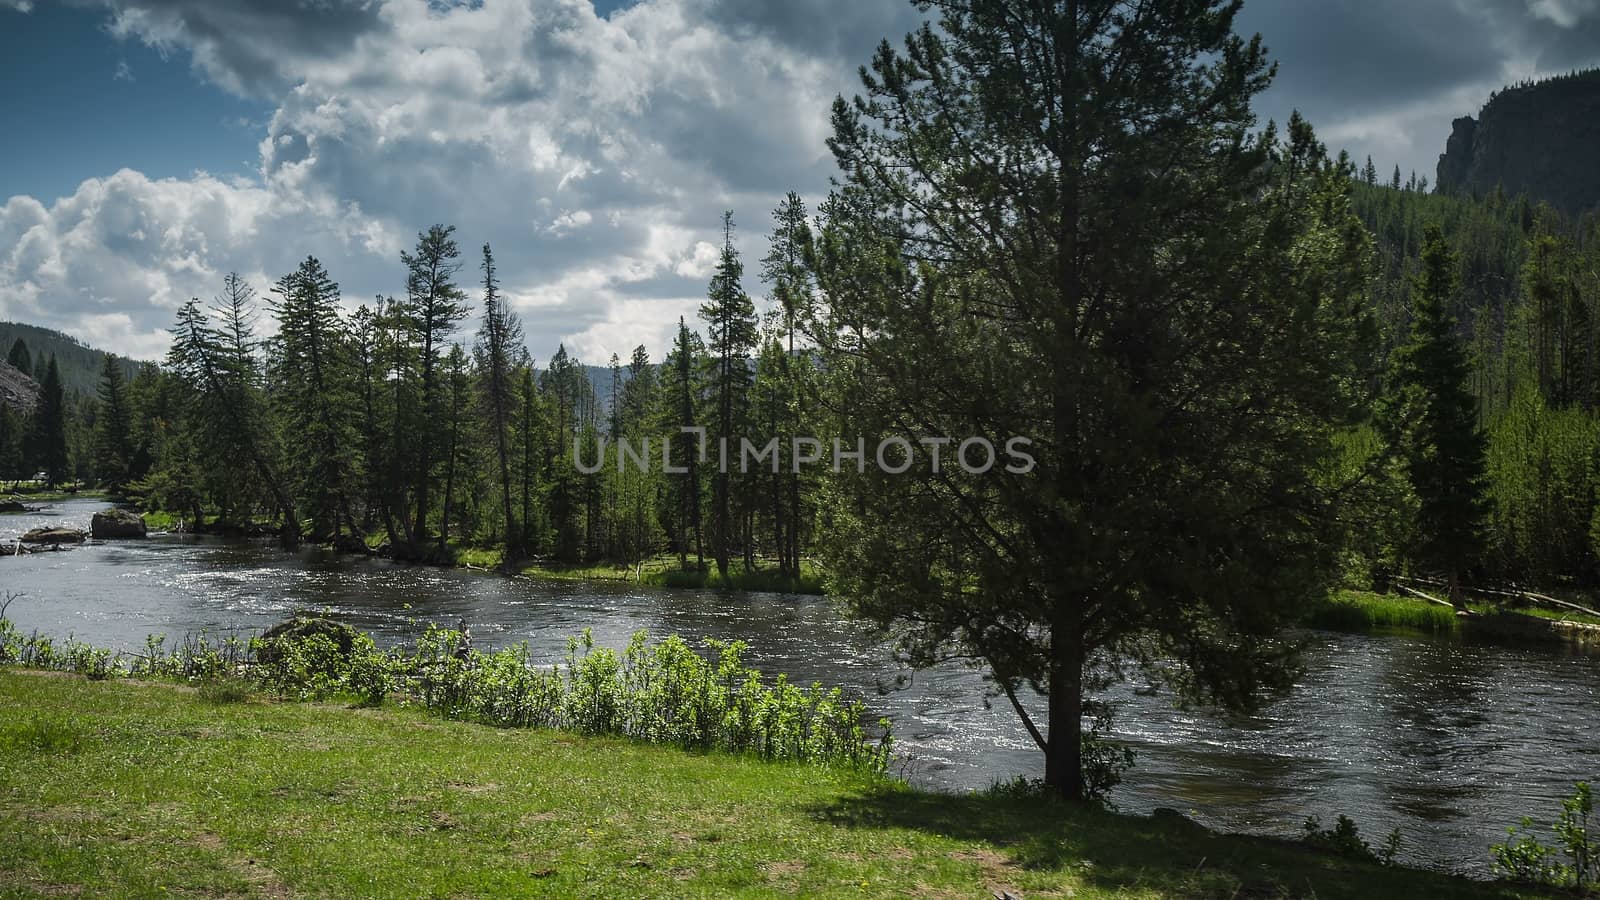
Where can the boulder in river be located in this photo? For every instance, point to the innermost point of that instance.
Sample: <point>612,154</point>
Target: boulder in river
<point>116,523</point>
<point>11,505</point>
<point>53,536</point>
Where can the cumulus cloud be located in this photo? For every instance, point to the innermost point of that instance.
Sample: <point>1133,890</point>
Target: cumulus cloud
<point>597,153</point>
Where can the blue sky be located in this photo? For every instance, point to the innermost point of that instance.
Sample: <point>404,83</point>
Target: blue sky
<point>83,103</point>
<point>152,146</point>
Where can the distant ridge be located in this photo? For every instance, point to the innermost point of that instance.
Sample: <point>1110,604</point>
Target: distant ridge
<point>80,365</point>
<point>1539,138</point>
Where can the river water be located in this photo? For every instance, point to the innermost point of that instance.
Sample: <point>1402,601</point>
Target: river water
<point>1450,741</point>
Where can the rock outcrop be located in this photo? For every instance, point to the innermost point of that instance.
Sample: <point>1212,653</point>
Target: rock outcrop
<point>17,390</point>
<point>116,524</point>
<point>1539,139</point>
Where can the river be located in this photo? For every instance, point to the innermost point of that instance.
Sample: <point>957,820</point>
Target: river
<point>1450,741</point>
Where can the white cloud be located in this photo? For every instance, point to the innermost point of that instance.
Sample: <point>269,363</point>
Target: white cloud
<point>1564,13</point>
<point>596,155</point>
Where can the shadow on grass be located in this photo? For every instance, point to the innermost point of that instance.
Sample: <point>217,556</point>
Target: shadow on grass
<point>1166,854</point>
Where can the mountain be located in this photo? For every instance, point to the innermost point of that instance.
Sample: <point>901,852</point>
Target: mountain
<point>1537,138</point>
<point>80,365</point>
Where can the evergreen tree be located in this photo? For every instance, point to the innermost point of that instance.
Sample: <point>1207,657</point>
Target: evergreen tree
<point>498,353</point>
<point>112,429</point>
<point>1369,173</point>
<point>458,439</point>
<point>786,270</point>
<point>1056,223</point>
<point>312,389</point>
<point>680,401</point>
<point>1394,182</point>
<point>1431,418</point>
<point>48,438</point>
<point>434,307</point>
<point>20,358</point>
<point>730,319</point>
<point>223,412</point>
<point>531,425</point>
<point>11,468</point>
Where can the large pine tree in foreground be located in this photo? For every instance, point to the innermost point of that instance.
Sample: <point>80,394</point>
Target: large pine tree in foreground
<point>1057,221</point>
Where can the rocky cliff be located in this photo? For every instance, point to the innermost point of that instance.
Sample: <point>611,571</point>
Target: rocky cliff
<point>17,390</point>
<point>1538,138</point>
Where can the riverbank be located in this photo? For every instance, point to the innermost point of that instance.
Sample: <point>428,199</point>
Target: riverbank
<point>1364,611</point>
<point>144,787</point>
<point>661,570</point>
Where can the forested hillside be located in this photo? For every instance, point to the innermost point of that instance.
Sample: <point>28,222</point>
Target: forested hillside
<point>1527,306</point>
<point>79,363</point>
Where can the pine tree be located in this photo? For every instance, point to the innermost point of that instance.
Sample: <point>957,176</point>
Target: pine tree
<point>730,319</point>
<point>433,308</point>
<point>312,390</point>
<point>458,440</point>
<point>1055,223</point>
<point>1431,419</point>
<point>10,445</point>
<point>498,353</point>
<point>113,452</point>
<point>680,401</point>
<point>225,425</point>
<point>1394,182</point>
<point>786,269</point>
<point>530,430</point>
<point>20,358</point>
<point>1369,173</point>
<point>48,438</point>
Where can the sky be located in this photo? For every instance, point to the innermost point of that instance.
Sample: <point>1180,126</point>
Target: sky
<point>152,146</point>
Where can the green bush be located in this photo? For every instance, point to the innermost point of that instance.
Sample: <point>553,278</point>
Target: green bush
<point>1525,859</point>
<point>1344,839</point>
<point>666,693</point>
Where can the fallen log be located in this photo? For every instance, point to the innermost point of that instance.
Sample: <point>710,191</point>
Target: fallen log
<point>1427,597</point>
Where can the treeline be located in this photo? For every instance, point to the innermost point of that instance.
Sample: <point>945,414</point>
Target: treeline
<point>1525,303</point>
<point>391,424</point>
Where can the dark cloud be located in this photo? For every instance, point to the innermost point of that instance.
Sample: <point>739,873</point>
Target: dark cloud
<point>249,46</point>
<point>1386,79</point>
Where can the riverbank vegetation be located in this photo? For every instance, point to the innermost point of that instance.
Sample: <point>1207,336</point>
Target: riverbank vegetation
<point>143,787</point>
<point>666,692</point>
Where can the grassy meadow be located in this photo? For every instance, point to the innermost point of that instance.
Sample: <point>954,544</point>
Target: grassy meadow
<point>145,788</point>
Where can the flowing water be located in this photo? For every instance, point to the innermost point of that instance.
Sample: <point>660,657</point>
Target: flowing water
<point>1450,741</point>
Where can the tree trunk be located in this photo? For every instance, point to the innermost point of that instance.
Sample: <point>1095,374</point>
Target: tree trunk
<point>1063,759</point>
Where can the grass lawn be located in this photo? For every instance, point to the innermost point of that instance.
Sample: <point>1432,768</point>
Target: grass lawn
<point>136,789</point>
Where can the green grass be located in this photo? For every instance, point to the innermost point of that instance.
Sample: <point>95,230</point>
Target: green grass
<point>663,571</point>
<point>130,788</point>
<point>160,520</point>
<point>32,493</point>
<point>1542,612</point>
<point>739,578</point>
<point>476,557</point>
<point>1366,611</point>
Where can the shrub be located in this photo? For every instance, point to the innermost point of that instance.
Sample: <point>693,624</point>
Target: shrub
<point>1344,839</point>
<point>1524,858</point>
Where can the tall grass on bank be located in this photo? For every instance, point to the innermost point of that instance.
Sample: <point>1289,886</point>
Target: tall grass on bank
<point>663,693</point>
<point>1364,611</point>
